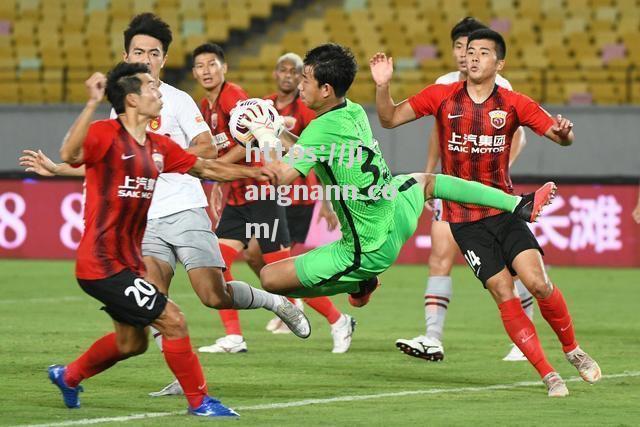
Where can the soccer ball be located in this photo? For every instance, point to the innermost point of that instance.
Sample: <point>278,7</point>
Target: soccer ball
<point>241,134</point>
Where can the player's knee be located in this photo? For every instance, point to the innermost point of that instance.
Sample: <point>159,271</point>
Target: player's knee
<point>174,322</point>
<point>268,280</point>
<point>501,290</point>
<point>539,287</point>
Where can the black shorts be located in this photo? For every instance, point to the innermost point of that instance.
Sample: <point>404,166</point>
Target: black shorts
<point>299,220</point>
<point>256,219</point>
<point>127,298</point>
<point>492,243</point>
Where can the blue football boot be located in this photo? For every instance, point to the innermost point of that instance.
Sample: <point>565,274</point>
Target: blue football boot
<point>69,394</point>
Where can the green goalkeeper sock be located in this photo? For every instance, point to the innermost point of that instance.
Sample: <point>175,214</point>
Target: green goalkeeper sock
<point>462,191</point>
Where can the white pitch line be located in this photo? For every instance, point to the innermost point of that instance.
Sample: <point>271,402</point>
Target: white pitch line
<point>339,399</point>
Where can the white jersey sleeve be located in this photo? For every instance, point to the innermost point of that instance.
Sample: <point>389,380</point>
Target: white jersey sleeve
<point>502,82</point>
<point>189,117</point>
<point>448,78</point>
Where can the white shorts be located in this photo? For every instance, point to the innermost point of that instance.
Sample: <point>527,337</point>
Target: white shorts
<point>183,236</point>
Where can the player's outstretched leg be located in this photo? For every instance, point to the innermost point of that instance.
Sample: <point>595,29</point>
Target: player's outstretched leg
<point>185,365</point>
<point>125,342</point>
<point>528,206</point>
<point>553,308</point>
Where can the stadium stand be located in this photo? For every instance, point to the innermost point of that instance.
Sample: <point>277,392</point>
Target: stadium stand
<point>572,51</point>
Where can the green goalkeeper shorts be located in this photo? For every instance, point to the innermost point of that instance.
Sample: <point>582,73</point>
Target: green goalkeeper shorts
<point>335,268</point>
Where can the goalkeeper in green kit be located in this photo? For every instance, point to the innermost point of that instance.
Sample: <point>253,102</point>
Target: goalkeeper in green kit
<point>384,210</point>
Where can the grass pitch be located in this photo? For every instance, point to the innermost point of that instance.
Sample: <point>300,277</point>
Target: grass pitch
<point>47,319</point>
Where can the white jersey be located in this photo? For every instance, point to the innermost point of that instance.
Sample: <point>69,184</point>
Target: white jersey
<point>179,119</point>
<point>454,76</point>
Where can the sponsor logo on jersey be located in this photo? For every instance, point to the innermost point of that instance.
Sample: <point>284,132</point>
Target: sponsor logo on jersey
<point>158,160</point>
<point>498,118</point>
<point>214,121</point>
<point>155,124</point>
<point>199,119</point>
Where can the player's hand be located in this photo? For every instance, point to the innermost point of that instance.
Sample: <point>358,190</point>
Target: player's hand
<point>330,216</point>
<point>562,128</point>
<point>215,203</point>
<point>381,68</point>
<point>261,126</point>
<point>267,174</point>
<point>430,204</point>
<point>96,85</point>
<point>37,162</point>
<point>636,214</point>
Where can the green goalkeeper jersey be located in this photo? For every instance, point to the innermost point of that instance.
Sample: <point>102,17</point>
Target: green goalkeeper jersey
<point>340,147</point>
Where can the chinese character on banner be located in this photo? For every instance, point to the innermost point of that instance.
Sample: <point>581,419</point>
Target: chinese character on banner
<point>591,223</point>
<point>596,223</point>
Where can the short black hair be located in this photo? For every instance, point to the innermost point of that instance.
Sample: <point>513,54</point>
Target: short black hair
<point>465,27</point>
<point>149,25</point>
<point>123,80</point>
<point>489,34</point>
<point>334,65</point>
<point>209,48</point>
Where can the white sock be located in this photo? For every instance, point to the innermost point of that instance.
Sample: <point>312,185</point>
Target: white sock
<point>157,337</point>
<point>526,299</point>
<point>436,303</point>
<point>247,297</point>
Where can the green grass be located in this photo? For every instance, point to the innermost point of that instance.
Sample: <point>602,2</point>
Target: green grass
<point>47,319</point>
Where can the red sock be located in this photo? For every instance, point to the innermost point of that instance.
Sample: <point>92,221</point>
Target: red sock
<point>272,257</point>
<point>523,334</point>
<point>185,365</point>
<point>230,318</point>
<point>324,306</point>
<point>555,312</point>
<point>102,355</point>
<point>229,255</point>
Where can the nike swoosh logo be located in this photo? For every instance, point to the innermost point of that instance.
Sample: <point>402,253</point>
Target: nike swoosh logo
<point>565,328</point>
<point>526,339</point>
<point>152,303</point>
<point>201,387</point>
<point>125,157</point>
<point>452,116</point>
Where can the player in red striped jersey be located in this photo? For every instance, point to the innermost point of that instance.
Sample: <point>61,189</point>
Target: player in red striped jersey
<point>476,122</point>
<point>439,288</point>
<point>296,115</point>
<point>123,162</point>
<point>209,69</point>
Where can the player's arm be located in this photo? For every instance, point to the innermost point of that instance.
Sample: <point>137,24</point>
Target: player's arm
<point>71,150</point>
<point>390,114</point>
<point>234,155</point>
<point>220,171</point>
<point>38,162</point>
<point>285,173</point>
<point>202,146</point>
<point>433,151</point>
<point>517,145</point>
<point>561,132</point>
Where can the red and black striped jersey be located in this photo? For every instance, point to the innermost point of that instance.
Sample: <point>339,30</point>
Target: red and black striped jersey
<point>120,178</point>
<point>296,117</point>
<point>475,139</point>
<point>217,117</point>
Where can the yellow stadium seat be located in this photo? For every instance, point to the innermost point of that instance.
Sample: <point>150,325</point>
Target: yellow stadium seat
<point>8,10</point>
<point>240,19</point>
<point>52,92</point>
<point>9,92</point>
<point>31,92</point>
<point>217,31</point>
<point>142,6</point>
<point>607,93</point>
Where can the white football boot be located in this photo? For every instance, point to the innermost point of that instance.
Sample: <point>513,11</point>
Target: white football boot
<point>515,355</point>
<point>342,332</point>
<point>586,366</point>
<point>555,385</point>
<point>422,347</point>
<point>173,389</point>
<point>226,344</point>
